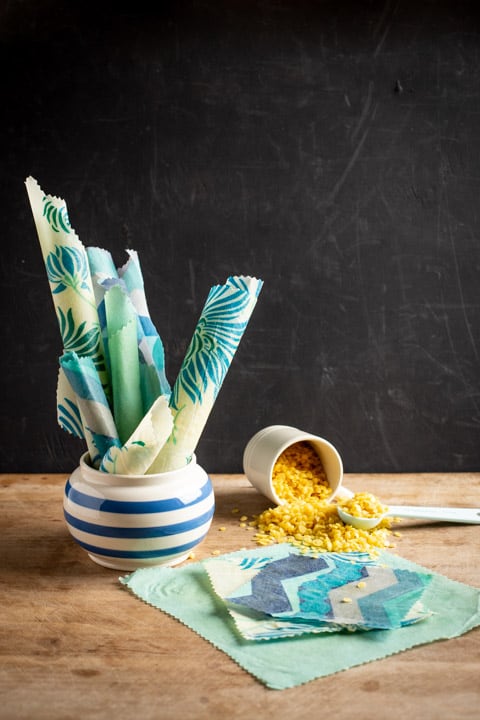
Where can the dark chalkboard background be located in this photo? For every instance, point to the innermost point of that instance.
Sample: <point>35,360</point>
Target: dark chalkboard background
<point>330,148</point>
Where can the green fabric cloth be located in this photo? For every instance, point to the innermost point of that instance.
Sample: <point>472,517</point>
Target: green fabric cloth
<point>186,594</point>
<point>124,362</point>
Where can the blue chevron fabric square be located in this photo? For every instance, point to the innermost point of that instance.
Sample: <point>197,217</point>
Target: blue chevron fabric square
<point>284,592</point>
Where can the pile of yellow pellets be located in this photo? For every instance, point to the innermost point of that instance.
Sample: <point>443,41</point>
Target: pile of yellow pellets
<point>307,518</point>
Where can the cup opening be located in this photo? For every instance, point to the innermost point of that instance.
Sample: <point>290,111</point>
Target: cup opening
<point>329,459</point>
<point>265,448</point>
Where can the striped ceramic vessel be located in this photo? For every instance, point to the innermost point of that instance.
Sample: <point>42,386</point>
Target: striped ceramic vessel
<point>131,521</point>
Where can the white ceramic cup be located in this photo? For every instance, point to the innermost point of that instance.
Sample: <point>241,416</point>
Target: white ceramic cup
<point>265,447</point>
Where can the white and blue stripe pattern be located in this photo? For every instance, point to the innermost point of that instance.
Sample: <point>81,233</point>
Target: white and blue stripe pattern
<point>127,522</point>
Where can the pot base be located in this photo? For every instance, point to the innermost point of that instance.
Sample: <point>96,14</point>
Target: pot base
<point>132,565</point>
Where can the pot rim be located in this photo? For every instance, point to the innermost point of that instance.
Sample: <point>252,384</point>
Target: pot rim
<point>104,478</point>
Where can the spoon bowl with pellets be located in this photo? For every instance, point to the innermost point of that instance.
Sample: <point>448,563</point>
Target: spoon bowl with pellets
<point>469,516</point>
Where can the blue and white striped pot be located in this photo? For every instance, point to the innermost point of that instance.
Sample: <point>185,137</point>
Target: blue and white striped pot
<point>131,521</point>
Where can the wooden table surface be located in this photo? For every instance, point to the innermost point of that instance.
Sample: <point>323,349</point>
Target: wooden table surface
<point>75,644</point>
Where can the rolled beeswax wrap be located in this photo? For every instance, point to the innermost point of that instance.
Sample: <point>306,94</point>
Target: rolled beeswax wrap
<point>98,424</point>
<point>185,593</point>
<point>72,292</point>
<point>104,447</point>
<point>124,362</point>
<point>152,354</point>
<point>101,266</point>
<point>137,454</point>
<point>217,335</point>
<point>153,381</point>
<point>68,412</point>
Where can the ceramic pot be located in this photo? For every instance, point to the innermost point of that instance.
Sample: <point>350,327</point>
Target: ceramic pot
<point>131,521</point>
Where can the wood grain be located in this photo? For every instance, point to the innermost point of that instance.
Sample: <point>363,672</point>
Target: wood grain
<point>75,644</point>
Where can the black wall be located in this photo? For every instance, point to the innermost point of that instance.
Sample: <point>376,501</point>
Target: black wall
<point>330,148</point>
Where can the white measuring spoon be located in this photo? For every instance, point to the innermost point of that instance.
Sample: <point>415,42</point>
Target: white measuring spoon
<point>441,514</point>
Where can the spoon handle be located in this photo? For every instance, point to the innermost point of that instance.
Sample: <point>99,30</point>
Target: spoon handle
<point>447,514</point>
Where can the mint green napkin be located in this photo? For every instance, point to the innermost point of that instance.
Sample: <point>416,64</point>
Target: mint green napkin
<point>186,594</point>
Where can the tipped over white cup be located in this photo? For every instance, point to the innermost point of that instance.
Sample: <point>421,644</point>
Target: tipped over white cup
<point>265,447</point>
